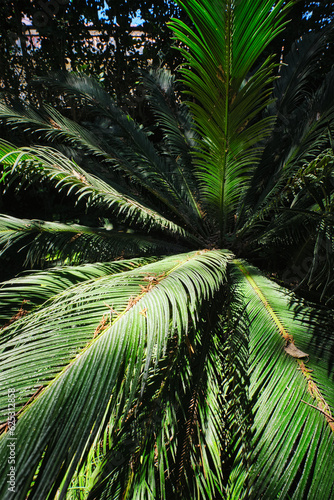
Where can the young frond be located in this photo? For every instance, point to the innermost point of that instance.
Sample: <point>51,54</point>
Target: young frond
<point>219,56</point>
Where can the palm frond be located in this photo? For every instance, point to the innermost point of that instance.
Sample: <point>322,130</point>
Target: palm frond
<point>297,216</point>
<point>228,39</point>
<point>51,125</point>
<point>48,164</point>
<point>299,138</point>
<point>108,334</point>
<point>48,242</point>
<point>291,383</point>
<point>139,159</point>
<point>176,124</point>
<point>293,84</point>
<point>181,425</point>
<point>175,121</point>
<point>34,288</point>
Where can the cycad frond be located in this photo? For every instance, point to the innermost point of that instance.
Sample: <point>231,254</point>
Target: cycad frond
<point>123,327</point>
<point>293,84</point>
<point>176,124</point>
<point>178,427</point>
<point>223,49</point>
<point>139,161</point>
<point>47,164</point>
<point>299,137</point>
<point>296,215</point>
<point>45,241</point>
<point>130,149</point>
<point>33,289</point>
<point>287,378</point>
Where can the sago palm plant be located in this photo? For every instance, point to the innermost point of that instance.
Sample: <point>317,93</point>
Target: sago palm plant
<point>159,354</point>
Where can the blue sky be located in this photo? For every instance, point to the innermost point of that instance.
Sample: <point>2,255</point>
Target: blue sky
<point>135,20</point>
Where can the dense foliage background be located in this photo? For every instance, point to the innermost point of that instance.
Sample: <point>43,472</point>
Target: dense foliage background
<point>64,39</point>
<point>61,37</point>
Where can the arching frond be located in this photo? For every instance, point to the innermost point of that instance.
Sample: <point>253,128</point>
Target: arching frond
<point>36,287</point>
<point>48,242</point>
<point>297,216</point>
<point>46,163</point>
<point>299,137</point>
<point>293,84</point>
<point>108,335</point>
<point>150,171</point>
<point>127,146</point>
<point>292,386</point>
<point>182,424</point>
<point>176,124</point>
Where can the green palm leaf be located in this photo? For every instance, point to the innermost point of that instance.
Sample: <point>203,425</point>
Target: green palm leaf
<point>177,128</point>
<point>150,316</point>
<point>40,286</point>
<point>140,160</point>
<point>73,243</point>
<point>289,375</point>
<point>226,44</point>
<point>45,163</point>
